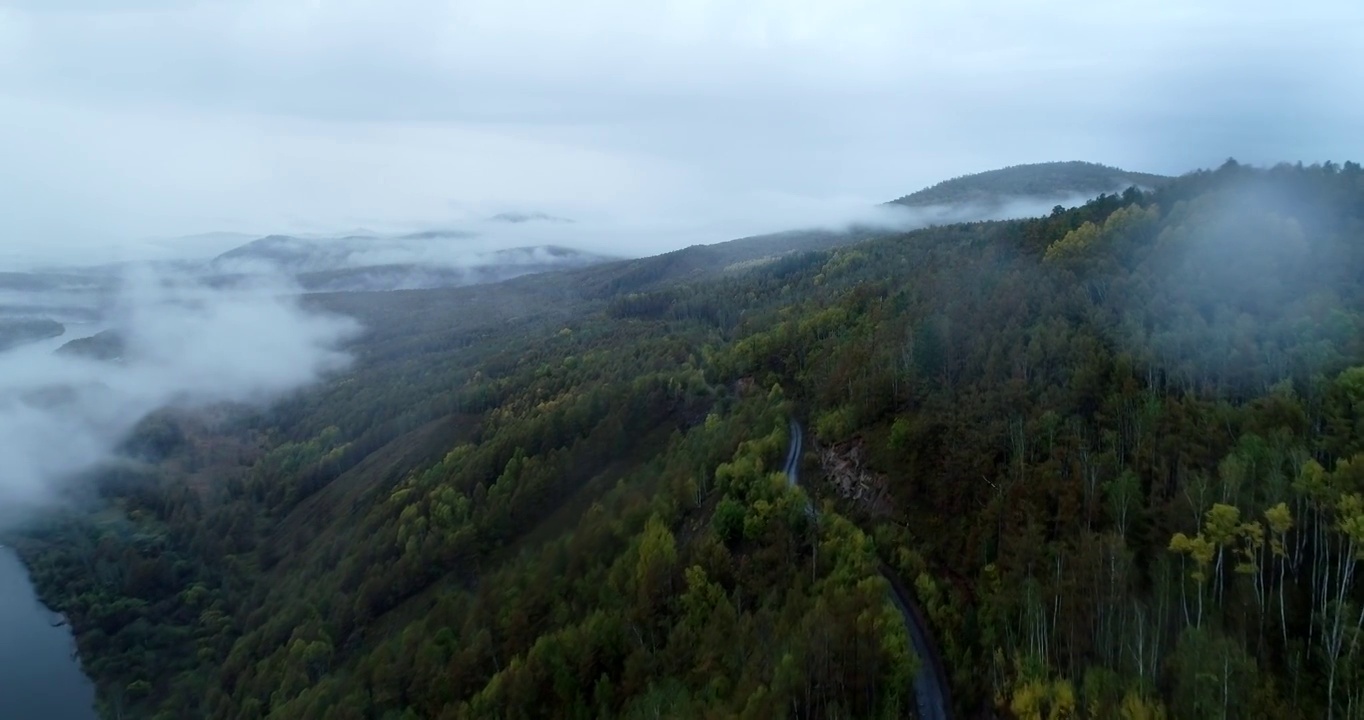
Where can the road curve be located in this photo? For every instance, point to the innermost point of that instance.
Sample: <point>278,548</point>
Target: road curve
<point>930,682</point>
<point>792,468</point>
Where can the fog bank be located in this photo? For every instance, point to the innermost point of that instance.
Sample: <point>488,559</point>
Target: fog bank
<point>184,344</point>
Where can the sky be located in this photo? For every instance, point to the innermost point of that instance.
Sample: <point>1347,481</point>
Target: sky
<point>154,118</point>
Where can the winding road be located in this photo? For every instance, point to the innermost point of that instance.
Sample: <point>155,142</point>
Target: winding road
<point>792,469</point>
<point>930,682</point>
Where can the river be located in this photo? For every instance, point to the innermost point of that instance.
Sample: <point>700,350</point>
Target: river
<point>40,678</point>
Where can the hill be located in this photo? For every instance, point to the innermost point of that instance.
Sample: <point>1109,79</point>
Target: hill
<point>106,345</point>
<point>295,255</point>
<point>21,331</point>
<point>1041,181</point>
<point>1114,452</point>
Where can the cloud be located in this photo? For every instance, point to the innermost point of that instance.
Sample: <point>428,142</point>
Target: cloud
<point>1250,279</point>
<point>472,243</point>
<point>160,117</point>
<point>141,173</point>
<point>185,345</point>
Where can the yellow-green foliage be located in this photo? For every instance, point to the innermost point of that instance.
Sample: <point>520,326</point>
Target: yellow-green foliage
<point>1090,238</point>
<point>1075,244</point>
<point>1040,699</point>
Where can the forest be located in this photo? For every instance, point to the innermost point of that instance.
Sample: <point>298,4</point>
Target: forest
<point>1121,449</point>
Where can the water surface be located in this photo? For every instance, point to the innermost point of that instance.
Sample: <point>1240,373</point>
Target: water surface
<point>40,677</point>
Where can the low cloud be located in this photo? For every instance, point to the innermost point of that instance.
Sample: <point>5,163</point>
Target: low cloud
<point>472,237</point>
<point>1251,280</point>
<point>473,243</point>
<point>184,345</point>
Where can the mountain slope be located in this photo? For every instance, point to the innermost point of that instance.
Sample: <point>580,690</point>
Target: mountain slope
<point>1079,424</point>
<point>106,345</point>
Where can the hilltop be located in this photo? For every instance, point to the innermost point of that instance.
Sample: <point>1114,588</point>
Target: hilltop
<point>1049,180</point>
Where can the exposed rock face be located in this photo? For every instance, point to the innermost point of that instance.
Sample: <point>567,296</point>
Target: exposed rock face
<point>845,470</point>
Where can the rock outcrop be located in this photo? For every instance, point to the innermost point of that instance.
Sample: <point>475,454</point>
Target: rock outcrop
<point>845,470</point>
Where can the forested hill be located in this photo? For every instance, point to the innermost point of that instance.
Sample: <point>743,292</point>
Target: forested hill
<point>1117,453</point>
<point>1058,180</point>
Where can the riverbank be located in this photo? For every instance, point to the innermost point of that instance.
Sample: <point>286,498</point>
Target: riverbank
<point>40,671</point>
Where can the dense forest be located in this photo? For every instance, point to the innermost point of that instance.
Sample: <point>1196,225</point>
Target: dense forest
<point>1117,455</point>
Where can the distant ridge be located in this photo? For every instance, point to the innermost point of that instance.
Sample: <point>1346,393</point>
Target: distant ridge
<point>990,195</point>
<point>16,332</point>
<point>479,269</point>
<point>106,345</point>
<point>1037,180</point>
<point>524,217</point>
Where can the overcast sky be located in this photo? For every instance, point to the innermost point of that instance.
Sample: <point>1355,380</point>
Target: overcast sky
<point>136,118</point>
